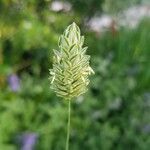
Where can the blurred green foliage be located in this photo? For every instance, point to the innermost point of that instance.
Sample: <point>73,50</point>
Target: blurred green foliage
<point>113,114</point>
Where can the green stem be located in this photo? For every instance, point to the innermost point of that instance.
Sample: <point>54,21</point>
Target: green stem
<point>68,126</point>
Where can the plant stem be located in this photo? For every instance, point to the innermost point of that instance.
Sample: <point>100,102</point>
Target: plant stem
<point>68,126</point>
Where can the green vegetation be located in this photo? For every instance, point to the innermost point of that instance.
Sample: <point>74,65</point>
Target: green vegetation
<point>112,115</point>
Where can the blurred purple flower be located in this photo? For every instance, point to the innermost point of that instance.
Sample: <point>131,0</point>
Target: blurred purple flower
<point>145,128</point>
<point>14,83</point>
<point>28,141</point>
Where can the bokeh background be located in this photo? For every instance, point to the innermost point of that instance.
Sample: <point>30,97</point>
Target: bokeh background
<point>115,112</point>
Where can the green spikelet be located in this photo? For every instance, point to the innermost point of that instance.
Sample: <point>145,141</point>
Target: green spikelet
<point>69,76</point>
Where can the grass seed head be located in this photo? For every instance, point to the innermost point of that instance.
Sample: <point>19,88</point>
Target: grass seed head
<point>71,69</point>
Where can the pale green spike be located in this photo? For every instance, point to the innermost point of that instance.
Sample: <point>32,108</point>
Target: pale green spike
<point>69,75</point>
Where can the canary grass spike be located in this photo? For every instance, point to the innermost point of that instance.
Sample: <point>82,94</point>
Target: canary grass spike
<point>69,75</point>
